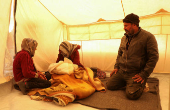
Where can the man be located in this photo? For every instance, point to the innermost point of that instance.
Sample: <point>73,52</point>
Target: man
<point>136,59</point>
<point>25,74</point>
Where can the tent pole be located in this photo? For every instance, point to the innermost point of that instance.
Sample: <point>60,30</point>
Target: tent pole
<point>15,24</point>
<point>123,8</point>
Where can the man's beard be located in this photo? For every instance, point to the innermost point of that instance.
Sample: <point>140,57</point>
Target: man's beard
<point>130,33</point>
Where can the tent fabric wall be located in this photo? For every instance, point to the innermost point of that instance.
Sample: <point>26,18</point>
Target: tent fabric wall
<point>88,11</point>
<point>34,21</point>
<point>100,53</point>
<point>76,12</point>
<point>5,6</point>
<point>156,24</point>
<point>96,31</point>
<point>167,62</point>
<point>10,50</point>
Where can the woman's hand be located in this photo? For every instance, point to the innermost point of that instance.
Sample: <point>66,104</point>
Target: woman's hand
<point>41,75</point>
<point>114,71</point>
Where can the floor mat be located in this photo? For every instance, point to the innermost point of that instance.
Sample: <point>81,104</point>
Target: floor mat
<point>116,100</point>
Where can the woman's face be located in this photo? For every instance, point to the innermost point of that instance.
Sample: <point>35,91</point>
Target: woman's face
<point>64,55</point>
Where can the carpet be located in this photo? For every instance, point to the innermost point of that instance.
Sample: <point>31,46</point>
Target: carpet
<point>116,100</point>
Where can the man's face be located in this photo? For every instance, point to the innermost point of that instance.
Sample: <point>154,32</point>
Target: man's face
<point>128,27</point>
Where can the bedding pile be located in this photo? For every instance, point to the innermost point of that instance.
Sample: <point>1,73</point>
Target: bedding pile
<point>68,84</point>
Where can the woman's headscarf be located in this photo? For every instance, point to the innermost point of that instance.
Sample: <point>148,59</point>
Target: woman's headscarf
<point>29,45</point>
<point>67,48</point>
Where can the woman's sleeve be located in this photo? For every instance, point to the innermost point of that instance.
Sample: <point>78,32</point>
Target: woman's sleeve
<point>76,58</point>
<point>27,66</point>
<point>60,57</point>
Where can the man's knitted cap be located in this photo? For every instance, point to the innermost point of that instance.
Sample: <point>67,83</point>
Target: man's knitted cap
<point>132,18</point>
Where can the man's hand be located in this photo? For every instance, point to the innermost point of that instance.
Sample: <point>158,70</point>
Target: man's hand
<point>138,78</point>
<point>41,75</point>
<point>114,71</point>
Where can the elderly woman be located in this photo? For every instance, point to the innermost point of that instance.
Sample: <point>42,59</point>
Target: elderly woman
<point>70,51</point>
<point>25,73</point>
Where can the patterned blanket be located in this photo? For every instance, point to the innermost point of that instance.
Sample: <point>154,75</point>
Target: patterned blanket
<point>66,88</point>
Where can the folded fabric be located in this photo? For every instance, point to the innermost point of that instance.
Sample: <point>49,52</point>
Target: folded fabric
<point>99,86</point>
<point>81,88</point>
<point>80,73</point>
<point>87,74</point>
<point>62,67</point>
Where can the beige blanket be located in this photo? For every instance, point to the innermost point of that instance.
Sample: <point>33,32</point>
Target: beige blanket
<point>66,88</point>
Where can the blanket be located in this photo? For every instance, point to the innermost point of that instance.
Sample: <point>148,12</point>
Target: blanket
<point>116,100</point>
<point>66,88</point>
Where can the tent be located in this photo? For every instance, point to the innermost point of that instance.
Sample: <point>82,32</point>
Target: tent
<point>95,25</point>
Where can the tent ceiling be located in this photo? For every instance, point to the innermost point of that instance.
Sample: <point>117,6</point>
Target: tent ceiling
<point>88,11</point>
